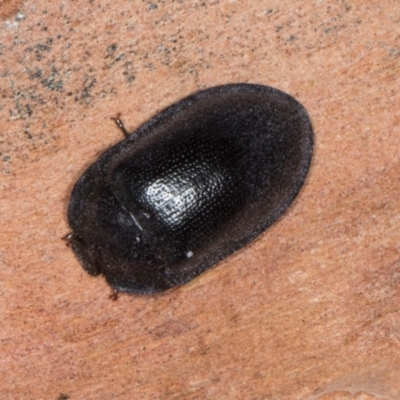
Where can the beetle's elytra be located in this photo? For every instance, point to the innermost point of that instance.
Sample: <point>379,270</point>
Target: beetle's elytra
<point>195,183</point>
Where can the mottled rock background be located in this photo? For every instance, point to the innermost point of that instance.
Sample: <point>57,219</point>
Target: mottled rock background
<point>310,310</point>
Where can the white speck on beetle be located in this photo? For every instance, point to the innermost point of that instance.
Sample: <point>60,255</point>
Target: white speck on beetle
<point>189,254</point>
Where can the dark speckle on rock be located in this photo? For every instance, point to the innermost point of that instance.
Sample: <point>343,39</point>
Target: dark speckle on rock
<point>111,49</point>
<point>86,94</point>
<point>52,81</point>
<point>152,6</point>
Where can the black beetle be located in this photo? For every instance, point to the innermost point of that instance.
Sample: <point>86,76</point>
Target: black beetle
<point>195,183</point>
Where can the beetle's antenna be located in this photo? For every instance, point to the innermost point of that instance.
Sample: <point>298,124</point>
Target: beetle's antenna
<point>120,124</point>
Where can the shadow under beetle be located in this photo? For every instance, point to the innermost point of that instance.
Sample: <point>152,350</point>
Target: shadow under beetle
<point>192,185</point>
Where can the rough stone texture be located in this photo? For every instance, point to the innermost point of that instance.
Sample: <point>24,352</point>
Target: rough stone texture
<point>308,311</point>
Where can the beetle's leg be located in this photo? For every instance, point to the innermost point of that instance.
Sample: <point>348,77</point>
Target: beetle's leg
<point>120,125</point>
<point>69,237</point>
<point>114,295</point>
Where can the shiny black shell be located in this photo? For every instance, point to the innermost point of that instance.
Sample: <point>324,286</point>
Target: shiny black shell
<point>195,183</point>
